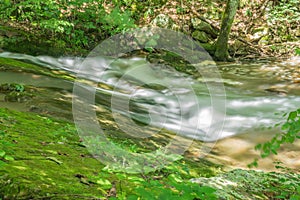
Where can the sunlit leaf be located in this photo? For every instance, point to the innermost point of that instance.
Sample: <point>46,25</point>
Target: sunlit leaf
<point>2,153</point>
<point>105,184</point>
<point>8,158</point>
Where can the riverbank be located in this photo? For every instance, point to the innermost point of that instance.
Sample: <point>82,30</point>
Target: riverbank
<point>42,156</point>
<point>48,161</point>
<point>258,30</point>
<point>41,152</point>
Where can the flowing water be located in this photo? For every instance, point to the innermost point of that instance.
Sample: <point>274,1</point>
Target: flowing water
<point>160,96</point>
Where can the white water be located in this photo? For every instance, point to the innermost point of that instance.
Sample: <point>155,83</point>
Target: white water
<point>181,103</point>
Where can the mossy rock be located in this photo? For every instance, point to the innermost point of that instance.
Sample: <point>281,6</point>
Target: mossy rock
<point>35,43</point>
<point>8,64</point>
<point>200,25</point>
<point>172,60</point>
<point>201,36</point>
<point>250,184</point>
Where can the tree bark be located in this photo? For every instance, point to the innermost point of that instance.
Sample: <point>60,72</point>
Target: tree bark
<point>221,53</point>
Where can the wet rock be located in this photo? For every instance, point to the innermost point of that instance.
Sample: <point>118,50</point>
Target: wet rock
<point>200,25</point>
<point>278,91</point>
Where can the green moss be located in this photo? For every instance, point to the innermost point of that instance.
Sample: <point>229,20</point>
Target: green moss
<point>47,157</point>
<point>36,42</point>
<point>50,162</point>
<point>250,184</point>
<point>8,64</point>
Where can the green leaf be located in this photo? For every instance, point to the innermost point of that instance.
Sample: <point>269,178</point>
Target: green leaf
<point>1,164</point>
<point>7,2</point>
<point>258,147</point>
<point>132,197</point>
<point>9,158</point>
<point>105,184</point>
<point>2,153</point>
<point>297,51</point>
<point>54,160</point>
<point>292,115</point>
<point>295,197</point>
<point>135,179</point>
<point>207,190</point>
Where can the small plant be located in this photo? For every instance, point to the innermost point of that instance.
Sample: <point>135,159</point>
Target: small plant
<point>168,183</point>
<point>117,21</point>
<point>3,153</point>
<point>11,87</point>
<point>290,133</point>
<point>75,22</point>
<point>297,51</point>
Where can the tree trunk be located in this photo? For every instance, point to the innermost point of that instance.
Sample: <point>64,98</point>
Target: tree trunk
<point>221,53</point>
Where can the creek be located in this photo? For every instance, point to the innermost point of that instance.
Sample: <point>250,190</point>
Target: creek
<point>158,95</point>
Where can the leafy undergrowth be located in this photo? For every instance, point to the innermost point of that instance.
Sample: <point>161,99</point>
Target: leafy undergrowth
<point>290,132</point>
<point>250,184</point>
<point>44,158</point>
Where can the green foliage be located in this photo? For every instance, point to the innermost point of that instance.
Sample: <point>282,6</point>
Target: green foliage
<point>290,132</point>
<point>253,184</point>
<point>11,87</point>
<point>284,18</point>
<point>4,145</point>
<point>169,183</point>
<point>79,22</point>
<point>286,11</point>
<point>174,187</point>
<point>297,51</point>
<point>117,21</point>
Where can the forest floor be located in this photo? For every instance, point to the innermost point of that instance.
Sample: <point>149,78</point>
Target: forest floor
<point>254,33</point>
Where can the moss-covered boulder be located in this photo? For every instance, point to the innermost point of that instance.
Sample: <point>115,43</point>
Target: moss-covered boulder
<point>201,36</point>
<point>34,43</point>
<point>200,25</point>
<point>250,184</point>
<point>12,65</point>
